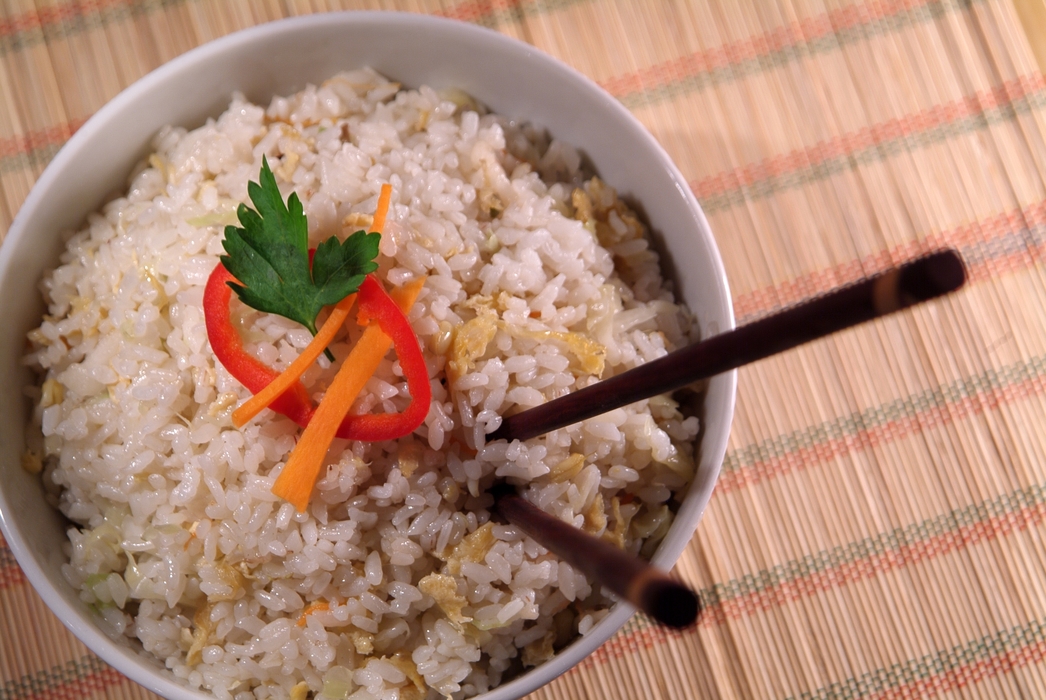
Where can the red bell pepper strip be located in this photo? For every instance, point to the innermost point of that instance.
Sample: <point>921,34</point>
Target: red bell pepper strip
<point>375,304</point>
<point>228,348</point>
<point>295,403</point>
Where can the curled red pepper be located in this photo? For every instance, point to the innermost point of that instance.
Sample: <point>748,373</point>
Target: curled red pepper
<point>374,304</point>
<point>228,348</point>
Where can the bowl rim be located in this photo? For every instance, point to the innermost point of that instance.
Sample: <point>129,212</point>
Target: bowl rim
<point>128,661</point>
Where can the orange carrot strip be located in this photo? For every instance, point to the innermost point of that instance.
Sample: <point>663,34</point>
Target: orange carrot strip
<point>311,608</point>
<point>298,478</point>
<point>383,208</point>
<point>406,295</point>
<point>257,403</point>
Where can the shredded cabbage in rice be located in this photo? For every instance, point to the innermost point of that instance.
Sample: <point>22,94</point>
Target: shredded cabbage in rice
<point>395,581</point>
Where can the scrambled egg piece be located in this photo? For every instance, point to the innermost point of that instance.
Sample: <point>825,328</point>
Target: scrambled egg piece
<point>617,535</point>
<point>473,547</point>
<point>358,221</point>
<point>589,354</point>
<point>52,392</point>
<point>156,161</point>
<point>567,469</point>
<point>224,402</point>
<point>583,209</point>
<point>652,526</point>
<point>471,340</point>
<point>290,163</point>
<point>470,343</point>
<point>200,635</point>
<point>423,120</point>
<point>231,577</point>
<point>444,590</point>
<point>409,459</point>
<point>300,691</point>
<point>417,690</point>
<point>595,516</point>
<point>539,651</point>
<point>594,208</point>
<point>363,642</point>
<point>612,222</point>
<point>219,218</point>
<point>681,463</point>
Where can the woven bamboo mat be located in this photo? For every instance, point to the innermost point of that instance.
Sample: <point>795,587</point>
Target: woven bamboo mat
<point>878,530</point>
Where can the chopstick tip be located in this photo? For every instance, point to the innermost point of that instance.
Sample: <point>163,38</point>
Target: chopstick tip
<point>501,433</point>
<point>670,602</point>
<point>933,275</point>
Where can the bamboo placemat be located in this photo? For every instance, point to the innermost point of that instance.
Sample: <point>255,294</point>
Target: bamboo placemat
<point>878,530</point>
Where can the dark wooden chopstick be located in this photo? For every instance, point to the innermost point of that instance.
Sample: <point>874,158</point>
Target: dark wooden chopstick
<point>651,590</point>
<point>898,288</point>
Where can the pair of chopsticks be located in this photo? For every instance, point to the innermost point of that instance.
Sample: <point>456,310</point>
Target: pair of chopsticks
<point>647,588</point>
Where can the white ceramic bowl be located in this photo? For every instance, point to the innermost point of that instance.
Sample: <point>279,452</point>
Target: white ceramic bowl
<point>280,58</point>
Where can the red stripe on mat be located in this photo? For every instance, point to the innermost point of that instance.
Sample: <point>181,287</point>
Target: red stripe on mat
<point>53,14</point>
<point>822,581</point>
<point>870,136</point>
<point>11,573</point>
<point>968,674</point>
<point>792,291</point>
<point>801,32</point>
<point>40,18</point>
<point>936,416</point>
<point>476,10</point>
<point>81,687</point>
<point>798,32</point>
<point>778,595</point>
<point>41,138</point>
<point>11,576</point>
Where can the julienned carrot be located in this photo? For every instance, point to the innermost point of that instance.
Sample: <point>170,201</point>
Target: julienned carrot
<point>296,481</point>
<point>382,210</point>
<point>312,607</point>
<point>260,401</point>
<point>298,478</point>
<point>376,305</point>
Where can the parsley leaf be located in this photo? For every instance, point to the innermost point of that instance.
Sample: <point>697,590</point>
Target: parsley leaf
<point>269,256</point>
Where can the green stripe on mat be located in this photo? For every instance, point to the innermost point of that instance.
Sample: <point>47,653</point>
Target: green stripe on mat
<point>488,15</point>
<point>72,20</point>
<point>44,683</point>
<point>991,516</point>
<point>76,20</point>
<point>808,174</point>
<point>65,21</point>
<point>1021,644</point>
<point>768,185</point>
<point>885,543</point>
<point>908,407</point>
<point>777,58</point>
<point>34,159</point>
<point>7,557</point>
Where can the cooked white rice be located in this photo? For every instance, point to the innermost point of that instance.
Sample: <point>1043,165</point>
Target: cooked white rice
<point>179,543</point>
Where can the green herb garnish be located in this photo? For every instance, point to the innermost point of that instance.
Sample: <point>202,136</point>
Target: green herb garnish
<point>269,256</point>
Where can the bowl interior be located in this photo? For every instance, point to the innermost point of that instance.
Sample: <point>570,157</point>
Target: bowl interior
<point>514,79</point>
